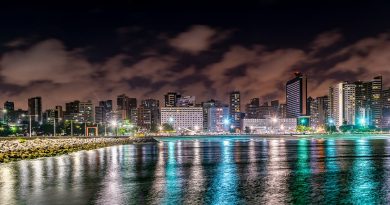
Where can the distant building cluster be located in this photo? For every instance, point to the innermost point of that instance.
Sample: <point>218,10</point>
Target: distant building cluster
<point>362,103</point>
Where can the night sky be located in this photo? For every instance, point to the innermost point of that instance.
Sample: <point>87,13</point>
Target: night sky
<point>96,51</point>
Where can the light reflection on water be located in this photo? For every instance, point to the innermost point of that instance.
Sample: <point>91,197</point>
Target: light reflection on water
<point>207,171</point>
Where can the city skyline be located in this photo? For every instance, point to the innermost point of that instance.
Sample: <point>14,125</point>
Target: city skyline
<point>163,97</point>
<point>97,53</point>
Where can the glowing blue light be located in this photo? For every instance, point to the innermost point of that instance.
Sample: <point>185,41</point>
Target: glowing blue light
<point>226,122</point>
<point>362,121</point>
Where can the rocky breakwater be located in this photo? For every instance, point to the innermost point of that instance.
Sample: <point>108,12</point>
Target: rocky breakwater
<point>18,149</point>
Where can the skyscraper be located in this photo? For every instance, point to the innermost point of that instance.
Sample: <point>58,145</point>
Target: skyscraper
<point>99,114</point>
<point>35,108</point>
<point>125,105</point>
<point>217,117</point>
<point>342,103</point>
<point>296,96</point>
<point>252,109</point>
<point>336,104</point>
<point>386,108</point>
<point>9,106</point>
<point>206,106</point>
<point>106,110</point>
<point>149,114</point>
<point>9,115</point>
<point>282,113</point>
<point>186,101</point>
<point>349,103</point>
<point>71,110</point>
<point>86,112</point>
<point>313,112</point>
<point>376,100</point>
<point>323,115</point>
<point>59,113</point>
<point>362,108</point>
<point>171,99</point>
<point>235,110</point>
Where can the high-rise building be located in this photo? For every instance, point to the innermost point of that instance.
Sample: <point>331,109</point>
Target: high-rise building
<point>252,109</point>
<point>186,101</point>
<point>59,113</point>
<point>362,107</point>
<point>349,103</point>
<point>206,105</point>
<point>183,118</point>
<point>9,106</point>
<point>9,115</point>
<point>265,111</point>
<point>134,116</point>
<point>282,112</point>
<point>296,96</point>
<point>72,107</point>
<point>86,113</point>
<point>376,100</point>
<point>386,98</point>
<point>149,114</point>
<point>49,116</point>
<point>386,108</point>
<point>106,111</point>
<point>235,110</point>
<point>99,114</point>
<point>342,103</point>
<point>336,104</point>
<point>218,117</point>
<point>322,108</point>
<point>35,108</point>
<point>313,112</point>
<point>274,107</point>
<point>171,99</point>
<point>71,110</point>
<point>125,105</point>
<point>20,116</point>
<point>309,103</point>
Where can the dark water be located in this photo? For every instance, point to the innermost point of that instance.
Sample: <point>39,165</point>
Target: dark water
<point>207,171</point>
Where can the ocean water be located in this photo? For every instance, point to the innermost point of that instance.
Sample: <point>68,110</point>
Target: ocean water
<point>208,170</point>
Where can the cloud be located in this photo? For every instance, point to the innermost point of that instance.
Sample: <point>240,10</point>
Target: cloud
<point>45,61</point>
<point>198,38</point>
<point>60,74</point>
<point>265,71</point>
<point>326,39</point>
<point>365,58</point>
<point>16,43</point>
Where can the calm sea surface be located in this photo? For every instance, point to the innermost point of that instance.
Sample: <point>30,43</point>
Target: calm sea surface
<point>224,170</point>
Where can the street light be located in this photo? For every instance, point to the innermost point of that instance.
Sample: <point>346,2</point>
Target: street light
<point>274,121</point>
<point>23,115</point>
<point>54,124</point>
<point>331,124</point>
<point>114,123</point>
<point>4,113</point>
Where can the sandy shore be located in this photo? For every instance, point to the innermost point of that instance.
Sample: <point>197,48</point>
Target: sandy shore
<point>18,149</point>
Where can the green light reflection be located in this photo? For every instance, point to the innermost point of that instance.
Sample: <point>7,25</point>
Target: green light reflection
<point>173,183</point>
<point>363,186</point>
<point>224,183</point>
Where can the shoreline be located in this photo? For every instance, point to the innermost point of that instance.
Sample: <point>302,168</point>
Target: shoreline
<point>12,149</point>
<point>284,136</point>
